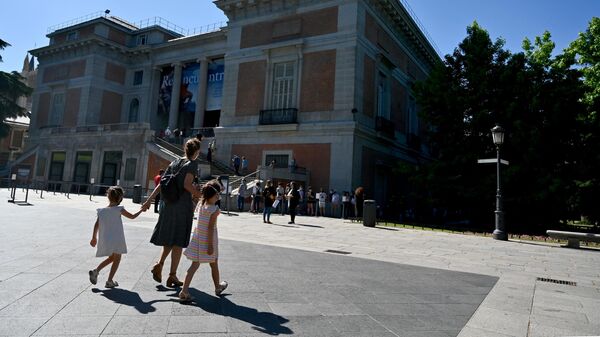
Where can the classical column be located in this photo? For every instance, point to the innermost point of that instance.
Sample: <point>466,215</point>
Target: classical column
<point>201,94</point>
<point>174,109</point>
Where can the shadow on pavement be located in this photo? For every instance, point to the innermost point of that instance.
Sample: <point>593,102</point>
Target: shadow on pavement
<point>264,322</point>
<point>129,298</point>
<point>313,226</point>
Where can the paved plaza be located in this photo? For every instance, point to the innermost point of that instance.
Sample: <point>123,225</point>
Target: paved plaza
<point>393,282</point>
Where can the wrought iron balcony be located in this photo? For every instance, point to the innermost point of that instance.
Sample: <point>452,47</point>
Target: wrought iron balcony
<point>278,116</point>
<point>385,126</point>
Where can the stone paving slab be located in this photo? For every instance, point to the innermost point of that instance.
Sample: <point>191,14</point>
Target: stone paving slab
<point>518,305</point>
<point>273,290</point>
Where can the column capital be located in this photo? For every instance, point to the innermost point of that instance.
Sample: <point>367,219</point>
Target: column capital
<point>177,64</point>
<point>202,59</point>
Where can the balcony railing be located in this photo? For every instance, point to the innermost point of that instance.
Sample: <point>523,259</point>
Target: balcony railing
<point>278,116</point>
<point>385,126</point>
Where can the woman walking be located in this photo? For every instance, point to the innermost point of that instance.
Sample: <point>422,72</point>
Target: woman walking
<point>174,226</point>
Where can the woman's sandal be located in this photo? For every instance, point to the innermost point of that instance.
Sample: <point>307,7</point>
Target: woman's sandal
<point>157,272</point>
<point>185,297</point>
<point>173,281</point>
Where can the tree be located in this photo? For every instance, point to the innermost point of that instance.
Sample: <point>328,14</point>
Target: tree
<point>584,54</point>
<point>11,88</point>
<point>536,98</point>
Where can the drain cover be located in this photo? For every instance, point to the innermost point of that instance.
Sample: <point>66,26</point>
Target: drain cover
<point>550,280</point>
<point>337,251</point>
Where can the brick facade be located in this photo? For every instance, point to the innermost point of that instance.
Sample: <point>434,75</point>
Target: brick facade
<point>318,81</point>
<point>313,23</point>
<point>369,87</point>
<point>251,88</point>
<point>115,73</point>
<point>110,112</point>
<point>315,157</point>
<point>155,164</point>
<point>64,71</point>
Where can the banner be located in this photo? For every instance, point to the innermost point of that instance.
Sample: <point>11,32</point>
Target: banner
<point>189,87</point>
<point>165,91</point>
<point>214,89</point>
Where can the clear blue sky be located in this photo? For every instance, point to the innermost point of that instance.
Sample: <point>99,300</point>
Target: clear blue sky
<point>24,24</point>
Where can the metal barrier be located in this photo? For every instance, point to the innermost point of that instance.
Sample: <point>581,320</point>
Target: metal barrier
<point>65,188</point>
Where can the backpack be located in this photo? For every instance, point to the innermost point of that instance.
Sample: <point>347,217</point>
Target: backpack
<point>170,191</point>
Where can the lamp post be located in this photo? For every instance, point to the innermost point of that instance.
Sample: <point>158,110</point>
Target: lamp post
<point>500,231</point>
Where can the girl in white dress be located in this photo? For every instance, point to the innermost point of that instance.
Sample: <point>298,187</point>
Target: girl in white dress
<point>109,229</point>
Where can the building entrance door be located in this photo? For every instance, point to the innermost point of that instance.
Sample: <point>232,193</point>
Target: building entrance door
<point>81,176</point>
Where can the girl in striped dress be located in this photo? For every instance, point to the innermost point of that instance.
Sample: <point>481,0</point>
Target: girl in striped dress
<point>203,247</point>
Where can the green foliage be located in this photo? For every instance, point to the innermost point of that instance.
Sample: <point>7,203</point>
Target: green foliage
<point>537,98</point>
<point>11,88</point>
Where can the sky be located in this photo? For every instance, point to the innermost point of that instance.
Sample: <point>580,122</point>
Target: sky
<point>24,24</point>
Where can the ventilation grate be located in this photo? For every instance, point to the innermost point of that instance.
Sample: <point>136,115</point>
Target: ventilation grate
<point>337,251</point>
<point>550,280</point>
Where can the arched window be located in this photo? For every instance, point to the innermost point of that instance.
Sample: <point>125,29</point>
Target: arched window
<point>134,107</point>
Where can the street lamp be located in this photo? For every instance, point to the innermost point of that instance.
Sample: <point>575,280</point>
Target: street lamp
<point>500,231</point>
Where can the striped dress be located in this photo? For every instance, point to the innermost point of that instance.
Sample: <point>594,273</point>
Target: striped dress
<point>197,250</point>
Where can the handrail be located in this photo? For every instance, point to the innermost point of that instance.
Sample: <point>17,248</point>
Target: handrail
<point>255,173</point>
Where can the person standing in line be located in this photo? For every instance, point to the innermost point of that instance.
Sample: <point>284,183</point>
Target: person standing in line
<point>346,205</point>
<point>204,246</point>
<point>269,197</point>
<point>169,134</point>
<point>108,234</point>
<point>335,203</point>
<point>302,202</point>
<point>322,197</point>
<point>359,197</point>
<point>244,165</point>
<point>310,202</point>
<point>173,229</point>
<point>256,193</point>
<point>280,191</point>
<point>242,195</point>
<point>293,199</point>
<point>156,183</point>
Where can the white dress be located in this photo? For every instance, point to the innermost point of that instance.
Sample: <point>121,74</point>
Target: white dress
<point>111,237</point>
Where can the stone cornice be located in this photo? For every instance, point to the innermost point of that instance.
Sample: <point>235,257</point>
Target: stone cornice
<point>94,40</point>
<point>403,23</point>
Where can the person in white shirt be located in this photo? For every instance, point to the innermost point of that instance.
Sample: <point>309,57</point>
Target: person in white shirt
<point>335,203</point>
<point>322,197</point>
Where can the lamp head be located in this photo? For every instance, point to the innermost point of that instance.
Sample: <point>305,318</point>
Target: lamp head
<point>498,135</point>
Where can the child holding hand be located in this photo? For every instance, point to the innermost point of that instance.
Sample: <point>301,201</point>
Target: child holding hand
<point>108,234</point>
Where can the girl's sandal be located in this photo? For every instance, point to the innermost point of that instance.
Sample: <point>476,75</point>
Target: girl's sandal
<point>220,288</point>
<point>157,272</point>
<point>185,297</point>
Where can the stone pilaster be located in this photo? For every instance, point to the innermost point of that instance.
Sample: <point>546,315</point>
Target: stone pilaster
<point>174,109</point>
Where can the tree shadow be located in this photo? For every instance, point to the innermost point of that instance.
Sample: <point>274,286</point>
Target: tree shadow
<point>264,322</point>
<point>129,298</point>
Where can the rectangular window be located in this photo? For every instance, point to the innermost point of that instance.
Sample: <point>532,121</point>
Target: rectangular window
<point>138,77</point>
<point>72,36</point>
<point>383,96</point>
<point>17,139</point>
<point>130,165</point>
<point>57,166</point>
<point>281,160</point>
<point>58,108</point>
<point>283,90</point>
<point>142,39</point>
